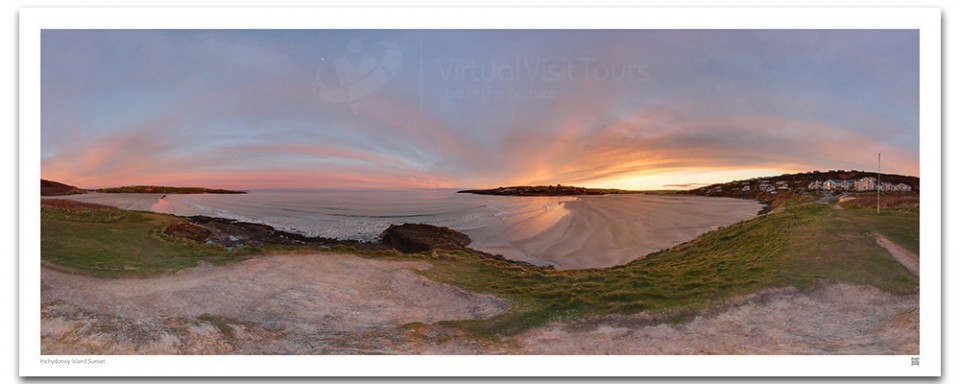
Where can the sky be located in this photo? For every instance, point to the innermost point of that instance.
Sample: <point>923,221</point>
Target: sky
<point>405,109</point>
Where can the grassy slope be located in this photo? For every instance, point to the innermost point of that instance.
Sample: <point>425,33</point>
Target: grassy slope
<point>791,248</point>
<point>106,244</point>
<point>794,247</point>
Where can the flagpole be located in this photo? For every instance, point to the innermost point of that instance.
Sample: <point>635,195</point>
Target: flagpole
<point>878,183</point>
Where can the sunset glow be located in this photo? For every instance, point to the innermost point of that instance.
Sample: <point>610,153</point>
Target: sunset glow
<point>473,109</point>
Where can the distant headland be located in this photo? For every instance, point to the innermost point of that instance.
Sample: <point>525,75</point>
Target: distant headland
<point>53,188</point>
<point>547,190</point>
<point>162,189</point>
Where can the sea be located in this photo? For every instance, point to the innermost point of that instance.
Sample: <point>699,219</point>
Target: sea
<point>363,215</point>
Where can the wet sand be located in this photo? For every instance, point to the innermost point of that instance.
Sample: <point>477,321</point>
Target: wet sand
<point>604,231</point>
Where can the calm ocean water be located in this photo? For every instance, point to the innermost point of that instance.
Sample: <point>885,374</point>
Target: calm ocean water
<point>363,215</point>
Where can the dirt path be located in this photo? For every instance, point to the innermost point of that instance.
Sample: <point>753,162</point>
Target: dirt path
<point>343,304</point>
<point>909,259</point>
<point>292,297</point>
<point>830,319</point>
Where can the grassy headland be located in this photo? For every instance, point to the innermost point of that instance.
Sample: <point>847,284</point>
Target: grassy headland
<point>53,188</point>
<point>110,242</point>
<point>546,190</point>
<point>795,246</point>
<point>162,189</point>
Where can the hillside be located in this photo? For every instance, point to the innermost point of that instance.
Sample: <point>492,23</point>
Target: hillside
<point>777,189</point>
<point>53,188</point>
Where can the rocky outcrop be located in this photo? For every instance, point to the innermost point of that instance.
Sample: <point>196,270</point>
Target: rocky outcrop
<point>407,238</point>
<point>412,238</point>
<point>238,234</point>
<point>188,231</point>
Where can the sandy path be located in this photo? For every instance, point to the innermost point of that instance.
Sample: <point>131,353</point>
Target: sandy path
<point>831,319</point>
<point>910,260</point>
<point>133,201</point>
<point>294,293</point>
<point>604,231</point>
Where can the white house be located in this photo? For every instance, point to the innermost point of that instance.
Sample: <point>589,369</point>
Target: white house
<point>837,184</point>
<point>865,184</point>
<point>900,187</point>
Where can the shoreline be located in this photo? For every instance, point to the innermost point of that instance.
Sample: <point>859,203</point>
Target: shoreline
<point>587,232</point>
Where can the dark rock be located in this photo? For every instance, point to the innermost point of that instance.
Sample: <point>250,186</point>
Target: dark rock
<point>239,234</point>
<point>188,231</point>
<point>411,238</point>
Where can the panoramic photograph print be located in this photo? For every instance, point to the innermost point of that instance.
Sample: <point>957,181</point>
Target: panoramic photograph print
<point>479,192</point>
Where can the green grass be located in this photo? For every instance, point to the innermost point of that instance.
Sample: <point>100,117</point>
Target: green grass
<point>60,209</point>
<point>129,245</point>
<point>902,226</point>
<point>797,246</point>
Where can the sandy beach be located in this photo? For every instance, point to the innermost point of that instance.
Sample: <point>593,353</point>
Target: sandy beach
<point>604,231</point>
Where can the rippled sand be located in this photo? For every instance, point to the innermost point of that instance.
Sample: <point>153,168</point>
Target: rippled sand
<point>604,231</point>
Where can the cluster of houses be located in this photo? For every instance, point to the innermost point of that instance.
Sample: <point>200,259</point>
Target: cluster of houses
<point>800,184</point>
<point>864,184</point>
<point>765,186</point>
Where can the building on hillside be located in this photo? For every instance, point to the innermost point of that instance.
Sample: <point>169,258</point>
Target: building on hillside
<point>816,184</point>
<point>837,185</point>
<point>865,184</point>
<point>899,187</point>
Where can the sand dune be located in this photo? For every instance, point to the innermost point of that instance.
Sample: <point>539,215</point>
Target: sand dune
<point>603,231</point>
